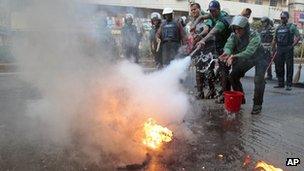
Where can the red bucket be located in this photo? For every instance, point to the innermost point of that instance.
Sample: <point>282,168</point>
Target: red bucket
<point>233,100</point>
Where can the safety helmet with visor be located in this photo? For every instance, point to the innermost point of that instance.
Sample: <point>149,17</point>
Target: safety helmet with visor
<point>239,22</point>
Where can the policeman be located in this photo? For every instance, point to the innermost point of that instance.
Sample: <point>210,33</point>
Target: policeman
<point>130,39</point>
<point>107,41</point>
<point>267,33</point>
<point>155,49</point>
<point>219,28</point>
<point>286,37</point>
<point>244,50</point>
<point>198,31</point>
<point>171,35</point>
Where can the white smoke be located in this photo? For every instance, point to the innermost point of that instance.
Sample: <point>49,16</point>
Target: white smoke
<point>84,97</point>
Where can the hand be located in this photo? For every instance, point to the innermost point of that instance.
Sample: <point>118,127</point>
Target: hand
<point>223,57</point>
<point>200,44</point>
<point>158,40</point>
<point>230,60</point>
<point>197,38</point>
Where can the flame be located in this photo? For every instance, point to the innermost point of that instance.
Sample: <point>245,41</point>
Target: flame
<point>155,134</point>
<point>263,166</point>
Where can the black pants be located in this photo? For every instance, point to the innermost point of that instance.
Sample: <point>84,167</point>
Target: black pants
<point>158,57</point>
<point>240,67</point>
<point>169,51</point>
<point>284,55</point>
<point>268,57</point>
<point>132,52</point>
<point>223,74</point>
<point>208,76</point>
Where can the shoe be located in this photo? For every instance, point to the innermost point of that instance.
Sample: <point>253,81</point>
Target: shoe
<point>220,99</point>
<point>200,96</point>
<point>288,88</point>
<point>278,86</point>
<point>257,109</point>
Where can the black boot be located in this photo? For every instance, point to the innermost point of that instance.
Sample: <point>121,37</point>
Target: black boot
<point>257,109</point>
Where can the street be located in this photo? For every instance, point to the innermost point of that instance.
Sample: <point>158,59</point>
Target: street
<point>213,142</point>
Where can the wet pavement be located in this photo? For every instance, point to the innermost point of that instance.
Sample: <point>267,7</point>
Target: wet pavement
<point>213,140</point>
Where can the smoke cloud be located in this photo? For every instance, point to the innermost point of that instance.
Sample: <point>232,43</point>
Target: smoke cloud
<point>85,99</point>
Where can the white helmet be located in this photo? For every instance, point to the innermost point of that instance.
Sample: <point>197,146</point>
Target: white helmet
<point>167,11</point>
<point>155,15</point>
<point>239,21</point>
<point>129,16</point>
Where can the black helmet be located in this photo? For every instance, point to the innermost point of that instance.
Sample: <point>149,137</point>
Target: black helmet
<point>284,14</point>
<point>213,5</point>
<point>265,20</point>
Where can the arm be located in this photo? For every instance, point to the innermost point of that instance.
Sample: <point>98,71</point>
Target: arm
<point>219,27</point>
<point>297,35</point>
<point>230,45</point>
<point>182,33</point>
<point>200,19</point>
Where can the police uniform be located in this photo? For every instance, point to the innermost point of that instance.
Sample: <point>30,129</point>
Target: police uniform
<point>130,41</point>
<point>156,54</point>
<point>222,24</point>
<point>266,40</point>
<point>171,40</point>
<point>284,37</point>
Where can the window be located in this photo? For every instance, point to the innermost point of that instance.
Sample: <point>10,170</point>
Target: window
<point>273,3</point>
<point>260,2</point>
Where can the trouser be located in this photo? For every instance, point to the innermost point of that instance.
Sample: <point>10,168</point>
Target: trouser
<point>202,77</point>
<point>223,74</point>
<point>240,67</point>
<point>268,57</point>
<point>284,55</point>
<point>158,58</point>
<point>169,51</point>
<point>132,52</point>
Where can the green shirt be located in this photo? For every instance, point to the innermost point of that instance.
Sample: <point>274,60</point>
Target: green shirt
<point>248,51</point>
<point>216,22</point>
<point>293,28</point>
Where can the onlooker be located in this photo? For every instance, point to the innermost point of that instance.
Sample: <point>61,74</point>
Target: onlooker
<point>155,48</point>
<point>266,33</point>
<point>130,39</point>
<point>286,37</point>
<point>171,35</point>
<point>246,12</point>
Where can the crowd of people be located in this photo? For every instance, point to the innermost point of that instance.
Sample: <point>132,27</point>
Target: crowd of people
<point>235,47</point>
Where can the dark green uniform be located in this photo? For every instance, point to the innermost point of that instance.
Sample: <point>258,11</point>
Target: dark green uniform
<point>222,25</point>
<point>284,37</point>
<point>156,54</point>
<point>266,40</point>
<point>130,42</point>
<point>249,53</point>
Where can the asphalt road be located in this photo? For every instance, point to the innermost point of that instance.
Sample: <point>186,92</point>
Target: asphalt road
<point>214,142</point>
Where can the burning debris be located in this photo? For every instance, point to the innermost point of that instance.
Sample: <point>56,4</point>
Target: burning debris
<point>155,134</point>
<point>263,166</point>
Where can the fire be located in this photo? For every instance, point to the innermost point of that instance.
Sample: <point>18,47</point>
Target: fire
<point>155,134</point>
<point>263,166</point>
